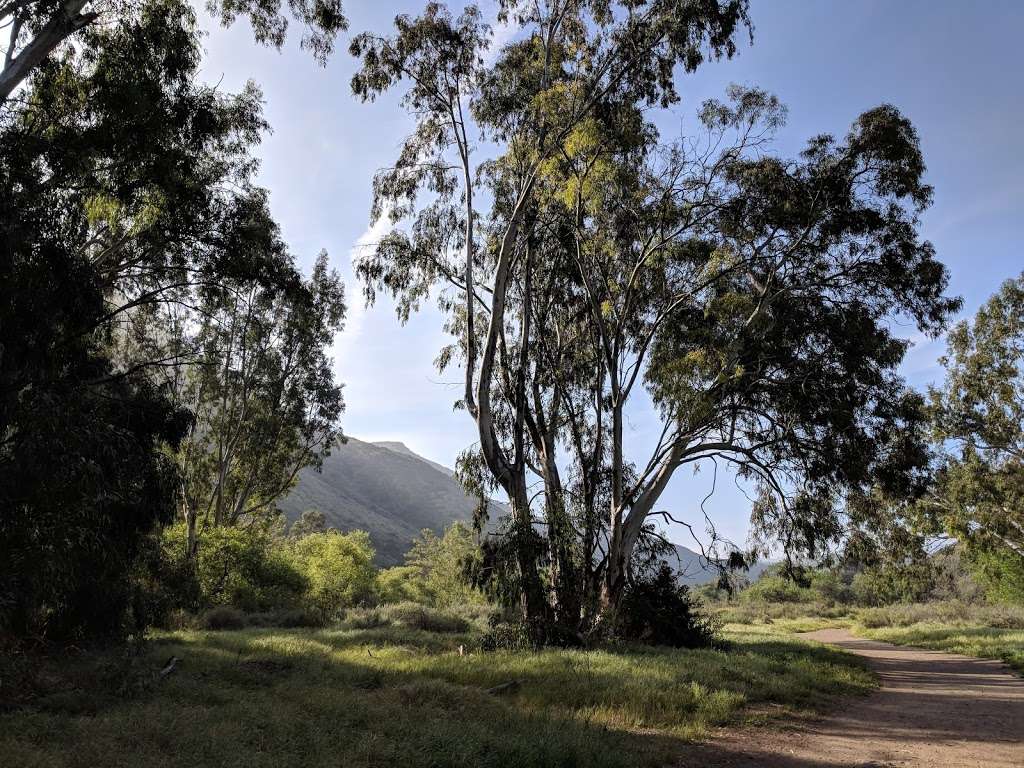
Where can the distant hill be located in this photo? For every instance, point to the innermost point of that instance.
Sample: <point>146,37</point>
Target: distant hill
<point>384,489</point>
<point>393,493</point>
<point>693,568</point>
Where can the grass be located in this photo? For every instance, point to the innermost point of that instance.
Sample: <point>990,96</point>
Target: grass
<point>396,695</point>
<point>981,642</point>
<point>982,630</point>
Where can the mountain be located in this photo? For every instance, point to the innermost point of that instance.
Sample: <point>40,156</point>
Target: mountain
<point>384,489</point>
<point>693,568</point>
<point>393,493</point>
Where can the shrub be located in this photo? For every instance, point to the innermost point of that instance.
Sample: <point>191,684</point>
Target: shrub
<point>828,586</point>
<point>222,617</point>
<point>425,618</point>
<point>338,570</point>
<point>401,584</point>
<point>437,568</point>
<point>242,567</point>
<point>366,618</point>
<point>657,610</point>
<point>506,636</point>
<point>775,589</point>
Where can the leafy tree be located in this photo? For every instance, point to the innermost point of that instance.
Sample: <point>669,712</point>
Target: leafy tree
<point>310,521</point>
<point>262,391</point>
<point>246,568</point>
<point>338,569</point>
<point>979,423</point>
<point>401,584</point>
<point>39,28</point>
<point>575,56</point>
<point>442,564</point>
<point>747,295</point>
<point>125,191</point>
<point>82,476</point>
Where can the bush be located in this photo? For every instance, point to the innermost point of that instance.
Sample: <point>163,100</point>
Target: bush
<point>506,636</point>
<point>775,589</point>
<point>658,610</point>
<point>222,617</point>
<point>947,613</point>
<point>422,617</point>
<point>435,569</point>
<point>828,586</point>
<point>242,567</point>
<point>402,584</point>
<point>338,570</point>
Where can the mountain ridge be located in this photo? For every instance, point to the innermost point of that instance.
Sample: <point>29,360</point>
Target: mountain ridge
<point>393,493</point>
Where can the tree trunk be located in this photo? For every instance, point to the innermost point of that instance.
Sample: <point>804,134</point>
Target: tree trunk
<point>67,20</point>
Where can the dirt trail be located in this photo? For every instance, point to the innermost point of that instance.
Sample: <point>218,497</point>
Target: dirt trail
<point>933,709</point>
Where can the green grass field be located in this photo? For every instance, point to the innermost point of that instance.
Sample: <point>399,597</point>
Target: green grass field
<point>981,642</point>
<point>987,631</point>
<point>394,696</point>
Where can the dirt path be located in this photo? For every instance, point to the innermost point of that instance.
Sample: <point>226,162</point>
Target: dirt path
<point>933,709</point>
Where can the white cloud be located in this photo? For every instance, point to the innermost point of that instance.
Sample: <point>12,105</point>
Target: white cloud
<point>345,341</point>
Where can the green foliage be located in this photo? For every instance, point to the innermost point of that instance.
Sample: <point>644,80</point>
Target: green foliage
<point>892,583</point>
<point>775,589</point>
<point>310,521</point>
<point>978,419</point>
<point>440,567</point>
<point>828,585</point>
<point>222,617</point>
<point>657,610</point>
<point>401,584</point>
<point>1000,572</point>
<point>245,568</point>
<point>337,569</point>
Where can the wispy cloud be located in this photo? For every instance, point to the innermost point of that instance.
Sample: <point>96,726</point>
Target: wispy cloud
<point>345,342</point>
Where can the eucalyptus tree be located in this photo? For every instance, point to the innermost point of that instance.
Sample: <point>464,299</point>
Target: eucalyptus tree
<point>978,420</point>
<point>113,176</point>
<point>752,296</point>
<point>261,390</point>
<point>526,103</point>
<point>128,216</point>
<point>38,28</point>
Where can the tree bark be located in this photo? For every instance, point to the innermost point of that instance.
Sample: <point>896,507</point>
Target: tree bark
<point>67,20</point>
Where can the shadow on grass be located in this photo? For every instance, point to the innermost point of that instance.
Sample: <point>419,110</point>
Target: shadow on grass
<point>390,696</point>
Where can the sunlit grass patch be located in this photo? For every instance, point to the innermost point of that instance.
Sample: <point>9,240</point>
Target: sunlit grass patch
<point>981,642</point>
<point>397,695</point>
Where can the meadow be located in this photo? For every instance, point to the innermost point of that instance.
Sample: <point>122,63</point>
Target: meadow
<point>393,694</point>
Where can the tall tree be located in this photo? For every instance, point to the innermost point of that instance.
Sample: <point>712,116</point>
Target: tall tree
<point>529,102</point>
<point>262,392</point>
<point>979,425</point>
<point>37,28</point>
<point>746,295</point>
<point>126,196</point>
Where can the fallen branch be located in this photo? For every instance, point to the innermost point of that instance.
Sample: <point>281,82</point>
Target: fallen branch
<point>511,685</point>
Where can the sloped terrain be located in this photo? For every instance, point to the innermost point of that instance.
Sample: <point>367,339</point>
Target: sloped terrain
<point>384,489</point>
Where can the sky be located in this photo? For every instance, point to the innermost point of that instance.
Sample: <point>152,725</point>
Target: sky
<point>953,68</point>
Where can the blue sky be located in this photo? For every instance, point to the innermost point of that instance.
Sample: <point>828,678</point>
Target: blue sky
<point>952,67</point>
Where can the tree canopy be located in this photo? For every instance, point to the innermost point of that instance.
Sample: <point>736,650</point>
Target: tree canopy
<point>749,296</point>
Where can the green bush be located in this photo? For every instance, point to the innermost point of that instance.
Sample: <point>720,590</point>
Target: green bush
<point>337,568</point>
<point>657,610</point>
<point>402,584</point>
<point>829,587</point>
<point>222,617</point>
<point>422,617</point>
<point>246,568</point>
<point>437,568</point>
<point>775,589</point>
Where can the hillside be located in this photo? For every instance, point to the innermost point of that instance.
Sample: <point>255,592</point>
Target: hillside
<point>393,493</point>
<point>384,489</point>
